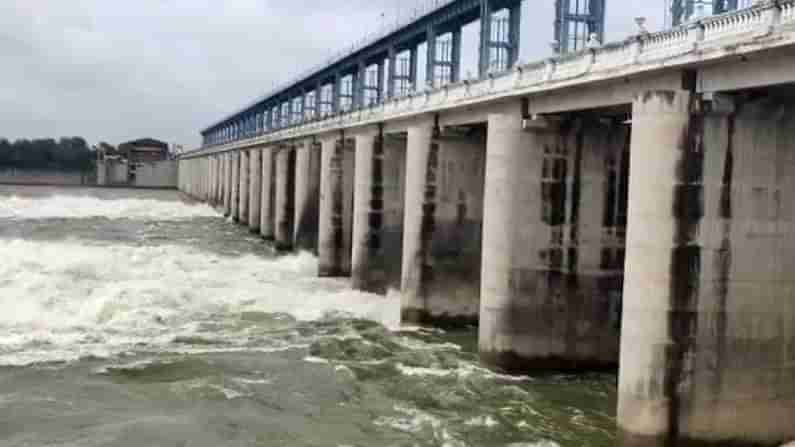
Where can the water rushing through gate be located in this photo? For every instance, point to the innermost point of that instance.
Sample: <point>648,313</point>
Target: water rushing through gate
<point>135,318</point>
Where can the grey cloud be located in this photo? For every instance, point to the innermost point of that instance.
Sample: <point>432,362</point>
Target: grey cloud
<point>112,70</point>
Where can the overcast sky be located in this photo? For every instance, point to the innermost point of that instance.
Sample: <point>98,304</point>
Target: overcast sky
<point>116,70</point>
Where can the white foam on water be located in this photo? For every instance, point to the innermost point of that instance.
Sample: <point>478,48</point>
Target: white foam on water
<point>66,300</point>
<point>534,444</point>
<point>482,421</point>
<point>413,420</point>
<point>463,370</point>
<point>75,206</point>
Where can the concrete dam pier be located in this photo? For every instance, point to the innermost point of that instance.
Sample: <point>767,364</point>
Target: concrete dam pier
<point>630,205</point>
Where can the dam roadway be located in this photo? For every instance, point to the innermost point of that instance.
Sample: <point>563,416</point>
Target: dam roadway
<point>629,205</point>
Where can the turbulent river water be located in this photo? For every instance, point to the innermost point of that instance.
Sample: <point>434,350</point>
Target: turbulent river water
<point>138,318</point>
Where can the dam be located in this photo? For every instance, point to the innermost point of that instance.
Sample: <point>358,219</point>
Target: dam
<point>628,204</point>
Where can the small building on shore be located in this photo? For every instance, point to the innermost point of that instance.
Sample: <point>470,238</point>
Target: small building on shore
<point>143,163</point>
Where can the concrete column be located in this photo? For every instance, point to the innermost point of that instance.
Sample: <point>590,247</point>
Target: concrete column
<point>206,179</point>
<point>203,181</point>
<point>235,198</point>
<point>336,207</point>
<point>553,242</point>
<point>267,213</point>
<point>182,173</point>
<point>208,175</point>
<point>189,177</point>
<point>307,196</point>
<point>365,192</point>
<point>444,210</point>
<point>219,195</point>
<point>655,341</point>
<point>211,175</point>
<point>244,187</point>
<point>185,174</point>
<point>255,190</point>
<point>210,179</point>
<point>227,197</point>
<point>285,197</point>
<point>708,325</point>
<point>218,180</point>
<point>421,155</point>
<point>197,177</point>
<point>208,171</point>
<point>378,212</point>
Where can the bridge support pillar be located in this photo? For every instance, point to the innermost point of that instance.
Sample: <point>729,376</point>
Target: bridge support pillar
<point>378,212</point>
<point>211,177</point>
<point>221,182</point>
<point>197,178</point>
<point>193,179</point>
<point>421,153</point>
<point>218,179</point>
<point>184,176</point>
<point>268,195</point>
<point>255,190</point>
<point>285,197</point>
<point>227,157</point>
<point>235,197</point>
<point>552,244</point>
<point>336,207</point>
<point>208,173</point>
<point>443,223</point>
<point>307,196</point>
<point>203,182</point>
<point>708,334</point>
<point>244,187</point>
<point>207,177</point>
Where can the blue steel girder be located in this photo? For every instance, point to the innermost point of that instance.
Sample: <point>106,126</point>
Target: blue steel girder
<point>447,18</point>
<point>576,21</point>
<point>680,11</point>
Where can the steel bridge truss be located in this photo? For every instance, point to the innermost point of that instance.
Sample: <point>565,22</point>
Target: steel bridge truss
<point>388,65</point>
<point>680,11</point>
<point>576,21</point>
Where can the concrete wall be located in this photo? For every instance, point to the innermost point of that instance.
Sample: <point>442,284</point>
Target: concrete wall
<point>35,177</point>
<point>116,172</point>
<point>159,174</point>
<point>708,337</point>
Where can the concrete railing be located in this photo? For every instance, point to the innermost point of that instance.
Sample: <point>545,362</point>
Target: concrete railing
<point>696,41</point>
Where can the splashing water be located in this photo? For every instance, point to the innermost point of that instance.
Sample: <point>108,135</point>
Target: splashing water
<point>139,318</point>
